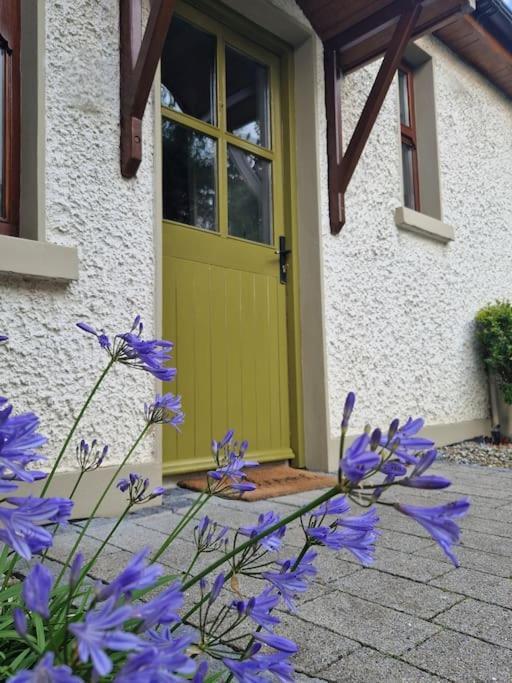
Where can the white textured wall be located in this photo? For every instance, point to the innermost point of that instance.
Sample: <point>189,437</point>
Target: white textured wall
<point>399,307</point>
<point>49,365</point>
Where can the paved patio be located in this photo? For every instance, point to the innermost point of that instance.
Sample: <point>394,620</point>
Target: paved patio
<point>412,617</point>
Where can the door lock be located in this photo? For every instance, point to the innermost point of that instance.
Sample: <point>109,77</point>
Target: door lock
<point>283,260</point>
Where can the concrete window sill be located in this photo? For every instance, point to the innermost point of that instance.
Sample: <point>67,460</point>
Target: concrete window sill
<point>407,219</point>
<point>38,259</point>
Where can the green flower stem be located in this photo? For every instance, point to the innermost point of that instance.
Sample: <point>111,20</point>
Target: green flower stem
<point>305,548</point>
<point>100,501</point>
<point>75,425</point>
<point>91,562</point>
<point>252,541</point>
<point>200,502</point>
<point>76,484</point>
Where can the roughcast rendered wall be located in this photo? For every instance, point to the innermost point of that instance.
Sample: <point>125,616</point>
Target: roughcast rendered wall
<point>399,307</point>
<point>49,364</point>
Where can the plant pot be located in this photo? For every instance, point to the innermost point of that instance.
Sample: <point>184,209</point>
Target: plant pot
<point>501,412</point>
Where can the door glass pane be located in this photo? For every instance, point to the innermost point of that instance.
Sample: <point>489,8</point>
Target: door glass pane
<point>408,173</point>
<point>249,196</point>
<point>189,176</point>
<point>247,98</point>
<point>2,131</point>
<point>403,88</point>
<point>188,71</point>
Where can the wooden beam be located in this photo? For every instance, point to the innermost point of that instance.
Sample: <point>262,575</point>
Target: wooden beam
<point>390,63</point>
<point>334,139</point>
<point>139,57</point>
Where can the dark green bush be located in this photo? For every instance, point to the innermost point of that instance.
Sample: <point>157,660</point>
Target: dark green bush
<point>494,333</point>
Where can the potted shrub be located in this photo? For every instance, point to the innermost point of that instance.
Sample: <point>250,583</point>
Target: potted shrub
<point>494,333</point>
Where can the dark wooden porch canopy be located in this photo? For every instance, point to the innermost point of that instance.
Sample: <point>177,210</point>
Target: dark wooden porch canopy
<point>354,33</point>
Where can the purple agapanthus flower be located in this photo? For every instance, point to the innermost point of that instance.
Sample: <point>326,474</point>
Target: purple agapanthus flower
<point>277,642</point>
<point>36,590</point>
<point>347,410</point>
<point>404,441</point>
<point>162,660</point>
<point>137,488</point>
<point>21,524</point>
<point>130,349</point>
<point>3,338</point>
<point>165,409</point>
<point>137,575</point>
<point>439,522</point>
<point>162,609</point>
<point>293,577</point>
<point>419,480</point>
<point>366,521</point>
<point>102,630</point>
<point>19,619</point>
<point>359,459</point>
<point>259,608</point>
<point>334,506</point>
<point>232,475</point>
<point>90,457</point>
<point>19,444</point>
<point>209,536</point>
<point>272,542</point>
<point>260,667</point>
<point>360,543</point>
<point>46,671</point>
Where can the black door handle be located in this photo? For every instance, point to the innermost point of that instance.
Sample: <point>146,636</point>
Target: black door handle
<point>283,260</point>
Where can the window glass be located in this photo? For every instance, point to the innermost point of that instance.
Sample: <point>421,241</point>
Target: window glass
<point>408,174</point>
<point>403,87</point>
<point>247,98</point>
<point>249,196</point>
<point>188,71</point>
<point>189,176</point>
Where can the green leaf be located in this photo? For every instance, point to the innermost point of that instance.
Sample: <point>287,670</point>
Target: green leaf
<point>40,634</point>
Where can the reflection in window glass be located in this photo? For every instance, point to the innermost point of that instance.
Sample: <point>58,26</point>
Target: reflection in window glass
<point>189,186</point>
<point>247,98</point>
<point>249,196</point>
<point>188,71</point>
<point>408,173</point>
<point>2,129</point>
<point>403,89</point>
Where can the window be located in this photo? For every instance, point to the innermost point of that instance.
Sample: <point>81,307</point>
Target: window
<point>219,146</point>
<point>9,116</point>
<point>409,138</point>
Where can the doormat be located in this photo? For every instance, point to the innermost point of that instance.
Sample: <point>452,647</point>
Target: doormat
<point>271,481</point>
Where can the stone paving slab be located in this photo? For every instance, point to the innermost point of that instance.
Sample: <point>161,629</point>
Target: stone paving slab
<point>462,658</point>
<point>412,618</point>
<point>368,666</point>
<point>371,624</point>
<point>479,619</point>
<point>486,587</point>
<point>473,559</point>
<point>320,647</point>
<point>398,593</point>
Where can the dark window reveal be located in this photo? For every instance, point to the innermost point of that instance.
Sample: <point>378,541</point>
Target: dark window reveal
<point>9,116</point>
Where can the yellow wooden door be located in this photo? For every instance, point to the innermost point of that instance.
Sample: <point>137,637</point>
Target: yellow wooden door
<point>223,303</point>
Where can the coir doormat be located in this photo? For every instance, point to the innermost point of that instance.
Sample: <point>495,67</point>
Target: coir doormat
<point>271,481</point>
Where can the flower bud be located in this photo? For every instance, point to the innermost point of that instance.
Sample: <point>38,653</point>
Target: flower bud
<point>20,621</point>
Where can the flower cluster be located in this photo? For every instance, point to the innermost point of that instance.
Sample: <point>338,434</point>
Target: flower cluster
<point>69,630</point>
<point>137,489</point>
<point>90,457</point>
<point>229,477</point>
<point>129,348</point>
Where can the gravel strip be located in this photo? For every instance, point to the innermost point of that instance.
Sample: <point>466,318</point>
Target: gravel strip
<point>478,453</point>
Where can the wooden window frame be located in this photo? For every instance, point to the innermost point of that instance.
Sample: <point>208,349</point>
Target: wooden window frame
<point>409,133</point>
<point>10,39</point>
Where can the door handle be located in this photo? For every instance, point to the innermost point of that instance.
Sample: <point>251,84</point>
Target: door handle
<point>283,260</point>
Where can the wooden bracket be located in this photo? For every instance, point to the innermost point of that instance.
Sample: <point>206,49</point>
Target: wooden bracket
<point>342,166</point>
<point>139,57</point>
